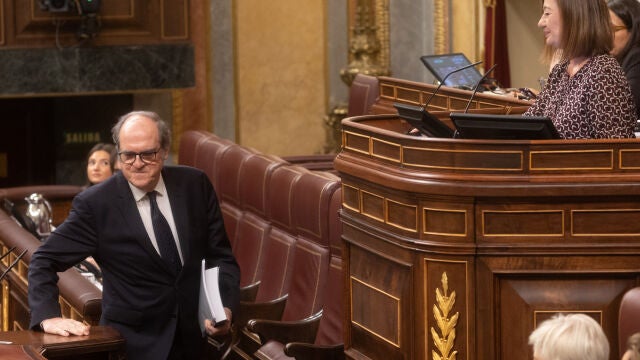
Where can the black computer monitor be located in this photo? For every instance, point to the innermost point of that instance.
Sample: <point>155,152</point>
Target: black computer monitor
<point>505,127</point>
<point>422,120</point>
<point>441,65</point>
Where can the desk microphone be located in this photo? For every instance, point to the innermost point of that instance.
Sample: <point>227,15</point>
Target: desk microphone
<point>424,107</point>
<point>421,119</point>
<point>13,264</point>
<point>475,88</point>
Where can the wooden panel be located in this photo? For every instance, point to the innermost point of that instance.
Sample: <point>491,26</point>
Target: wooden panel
<point>605,222</point>
<point>122,22</point>
<point>350,197</point>
<point>174,26</point>
<point>445,222</point>
<point>572,160</point>
<point>373,206</point>
<point>380,304</point>
<point>523,223</point>
<point>463,159</point>
<point>517,233</point>
<point>539,299</point>
<point>386,150</point>
<point>630,159</point>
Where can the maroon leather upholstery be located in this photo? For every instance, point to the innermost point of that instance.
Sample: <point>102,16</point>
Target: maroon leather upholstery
<point>629,317</point>
<point>330,328</point>
<point>209,158</point>
<point>363,93</point>
<point>279,254</point>
<point>189,146</point>
<point>283,222</point>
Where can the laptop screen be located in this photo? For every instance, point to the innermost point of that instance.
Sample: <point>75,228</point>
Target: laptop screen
<point>441,65</point>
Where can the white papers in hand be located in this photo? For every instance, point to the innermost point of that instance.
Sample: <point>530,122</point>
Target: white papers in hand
<point>210,306</point>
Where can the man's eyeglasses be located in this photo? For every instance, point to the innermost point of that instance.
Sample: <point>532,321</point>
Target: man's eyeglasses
<point>129,157</point>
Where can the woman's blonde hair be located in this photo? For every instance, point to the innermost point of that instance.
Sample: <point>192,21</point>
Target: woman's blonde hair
<point>570,337</point>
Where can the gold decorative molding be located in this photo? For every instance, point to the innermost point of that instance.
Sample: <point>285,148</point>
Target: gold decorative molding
<point>177,119</point>
<point>6,290</point>
<point>368,39</point>
<point>445,339</point>
<point>441,27</point>
<point>2,27</point>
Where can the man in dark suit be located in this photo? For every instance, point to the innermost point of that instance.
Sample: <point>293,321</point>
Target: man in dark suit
<point>150,294</point>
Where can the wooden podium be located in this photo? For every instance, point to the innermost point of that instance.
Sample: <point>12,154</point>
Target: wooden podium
<point>459,248</point>
<point>104,343</point>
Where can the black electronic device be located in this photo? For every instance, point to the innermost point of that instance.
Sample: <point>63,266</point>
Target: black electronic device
<point>424,121</point>
<point>503,127</point>
<point>421,119</point>
<point>442,65</point>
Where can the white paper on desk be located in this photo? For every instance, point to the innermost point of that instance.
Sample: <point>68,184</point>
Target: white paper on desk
<point>210,306</point>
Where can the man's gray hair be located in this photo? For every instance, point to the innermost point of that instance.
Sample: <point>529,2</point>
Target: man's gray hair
<point>163,128</point>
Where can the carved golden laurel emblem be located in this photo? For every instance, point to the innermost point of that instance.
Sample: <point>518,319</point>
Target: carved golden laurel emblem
<point>445,338</point>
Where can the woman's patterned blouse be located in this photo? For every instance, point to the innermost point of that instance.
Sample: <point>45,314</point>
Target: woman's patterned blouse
<point>595,103</point>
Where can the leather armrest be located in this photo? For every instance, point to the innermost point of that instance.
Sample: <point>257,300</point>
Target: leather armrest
<point>248,293</point>
<point>271,310</point>
<point>307,351</point>
<point>286,331</point>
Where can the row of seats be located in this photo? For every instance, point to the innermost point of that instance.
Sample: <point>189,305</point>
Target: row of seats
<point>283,223</point>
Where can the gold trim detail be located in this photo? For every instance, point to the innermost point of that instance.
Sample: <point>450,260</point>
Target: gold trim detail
<point>177,118</point>
<point>532,154</point>
<point>444,341</point>
<point>367,40</point>
<point>357,191</point>
<point>621,156</point>
<point>425,210</point>
<point>346,143</point>
<point>551,211</point>
<point>585,211</point>
<point>450,151</point>
<point>2,27</point>
<point>6,290</point>
<point>391,144</point>
<point>396,225</point>
<point>440,31</point>
<point>382,201</point>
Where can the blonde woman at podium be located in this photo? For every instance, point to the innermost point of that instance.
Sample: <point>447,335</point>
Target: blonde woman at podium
<point>587,94</point>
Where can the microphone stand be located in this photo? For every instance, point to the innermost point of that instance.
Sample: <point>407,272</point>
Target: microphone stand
<point>475,89</point>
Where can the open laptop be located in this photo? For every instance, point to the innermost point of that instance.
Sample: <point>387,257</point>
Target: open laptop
<point>441,65</point>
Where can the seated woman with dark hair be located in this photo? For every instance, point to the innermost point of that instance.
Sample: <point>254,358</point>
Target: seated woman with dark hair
<point>101,163</point>
<point>625,20</point>
<point>587,94</point>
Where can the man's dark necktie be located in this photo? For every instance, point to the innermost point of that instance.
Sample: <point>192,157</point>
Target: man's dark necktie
<point>164,237</point>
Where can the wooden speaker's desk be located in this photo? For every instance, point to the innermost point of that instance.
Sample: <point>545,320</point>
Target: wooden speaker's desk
<point>103,343</point>
<point>463,246</point>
